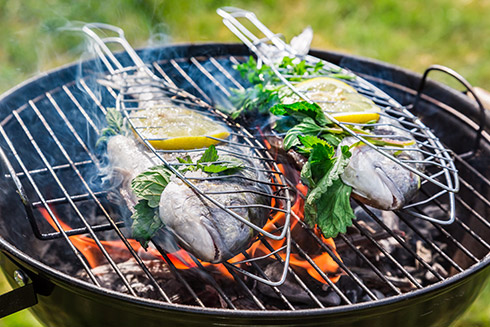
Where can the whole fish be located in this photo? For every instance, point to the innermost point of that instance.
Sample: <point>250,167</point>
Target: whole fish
<point>202,228</point>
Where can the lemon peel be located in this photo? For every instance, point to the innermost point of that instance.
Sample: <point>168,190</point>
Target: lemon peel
<point>338,99</point>
<point>177,128</point>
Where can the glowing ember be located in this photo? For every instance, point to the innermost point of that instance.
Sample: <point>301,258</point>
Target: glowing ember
<point>182,260</point>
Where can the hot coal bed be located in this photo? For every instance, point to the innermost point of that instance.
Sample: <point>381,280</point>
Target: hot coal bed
<point>392,268</point>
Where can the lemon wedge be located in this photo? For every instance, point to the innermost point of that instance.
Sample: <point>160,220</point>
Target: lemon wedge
<point>177,128</point>
<point>338,99</point>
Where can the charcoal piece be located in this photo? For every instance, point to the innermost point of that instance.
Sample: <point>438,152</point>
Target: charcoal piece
<point>294,292</point>
<point>166,279</point>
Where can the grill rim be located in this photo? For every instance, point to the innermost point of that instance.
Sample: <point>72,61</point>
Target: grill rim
<point>72,283</point>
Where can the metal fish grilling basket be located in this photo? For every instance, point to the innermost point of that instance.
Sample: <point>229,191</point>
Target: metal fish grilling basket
<point>436,166</point>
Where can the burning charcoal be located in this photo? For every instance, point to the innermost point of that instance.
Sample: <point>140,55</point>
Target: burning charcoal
<point>165,278</point>
<point>424,253</point>
<point>293,291</point>
<point>439,269</point>
<point>350,288</point>
<point>376,293</point>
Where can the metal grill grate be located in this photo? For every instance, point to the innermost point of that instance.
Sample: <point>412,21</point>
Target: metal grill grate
<point>48,145</point>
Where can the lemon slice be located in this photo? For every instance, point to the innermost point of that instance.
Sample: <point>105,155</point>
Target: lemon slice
<point>338,99</point>
<point>177,128</point>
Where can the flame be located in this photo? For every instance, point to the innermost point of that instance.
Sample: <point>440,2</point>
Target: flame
<point>182,260</point>
<point>117,249</point>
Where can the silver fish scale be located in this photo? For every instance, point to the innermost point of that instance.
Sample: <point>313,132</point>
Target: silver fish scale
<point>137,87</point>
<point>436,166</point>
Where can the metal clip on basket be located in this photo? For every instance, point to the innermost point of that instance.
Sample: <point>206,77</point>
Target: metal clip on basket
<point>439,169</point>
<point>140,88</point>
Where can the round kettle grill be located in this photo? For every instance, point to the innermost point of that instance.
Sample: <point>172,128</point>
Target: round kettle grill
<point>416,272</point>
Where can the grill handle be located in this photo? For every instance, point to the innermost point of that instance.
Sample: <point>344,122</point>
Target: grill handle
<point>20,298</point>
<point>469,88</point>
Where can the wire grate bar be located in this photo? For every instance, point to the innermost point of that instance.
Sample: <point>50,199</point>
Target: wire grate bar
<point>210,76</point>
<point>99,204</point>
<point>72,204</point>
<point>55,168</point>
<point>473,212</point>
<point>454,240</point>
<point>225,72</point>
<point>77,253</point>
<point>400,241</point>
<point>190,80</point>
<point>177,274</point>
<point>370,264</point>
<point>93,96</point>
<point>80,108</point>
<point>263,275</point>
<point>431,243</point>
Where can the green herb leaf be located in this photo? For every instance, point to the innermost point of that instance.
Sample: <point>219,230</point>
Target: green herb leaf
<point>228,165</point>
<point>150,184</point>
<point>327,202</point>
<point>210,155</point>
<point>146,222</point>
<point>257,98</point>
<point>301,110</point>
<point>255,75</point>
<point>114,119</point>
<point>115,125</point>
<point>331,209</point>
<point>306,127</point>
<point>308,141</point>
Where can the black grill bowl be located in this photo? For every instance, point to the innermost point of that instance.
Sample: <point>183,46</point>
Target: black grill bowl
<point>63,300</point>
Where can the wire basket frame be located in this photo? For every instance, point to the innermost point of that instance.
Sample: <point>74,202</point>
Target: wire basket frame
<point>139,89</point>
<point>440,169</point>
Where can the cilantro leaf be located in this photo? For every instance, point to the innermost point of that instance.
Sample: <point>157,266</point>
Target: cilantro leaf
<point>150,184</point>
<point>146,222</point>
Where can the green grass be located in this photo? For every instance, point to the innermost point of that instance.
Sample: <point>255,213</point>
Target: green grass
<point>411,34</point>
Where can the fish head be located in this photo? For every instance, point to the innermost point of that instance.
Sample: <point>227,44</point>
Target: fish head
<point>379,181</point>
<point>205,230</point>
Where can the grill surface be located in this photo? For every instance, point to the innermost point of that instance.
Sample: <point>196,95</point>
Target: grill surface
<point>49,140</point>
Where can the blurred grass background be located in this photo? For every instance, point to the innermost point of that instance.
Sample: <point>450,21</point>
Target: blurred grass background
<point>411,34</point>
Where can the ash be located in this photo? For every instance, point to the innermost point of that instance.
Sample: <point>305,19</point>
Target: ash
<point>174,287</point>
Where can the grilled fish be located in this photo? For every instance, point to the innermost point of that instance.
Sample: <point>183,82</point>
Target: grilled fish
<point>378,181</point>
<point>202,228</point>
<point>375,179</point>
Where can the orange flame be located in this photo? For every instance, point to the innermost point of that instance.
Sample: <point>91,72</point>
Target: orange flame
<point>182,260</point>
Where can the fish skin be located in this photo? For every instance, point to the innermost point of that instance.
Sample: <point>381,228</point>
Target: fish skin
<point>207,231</point>
<point>379,181</point>
<point>201,228</point>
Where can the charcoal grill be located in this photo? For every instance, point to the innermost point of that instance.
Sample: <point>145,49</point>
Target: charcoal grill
<point>71,100</point>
